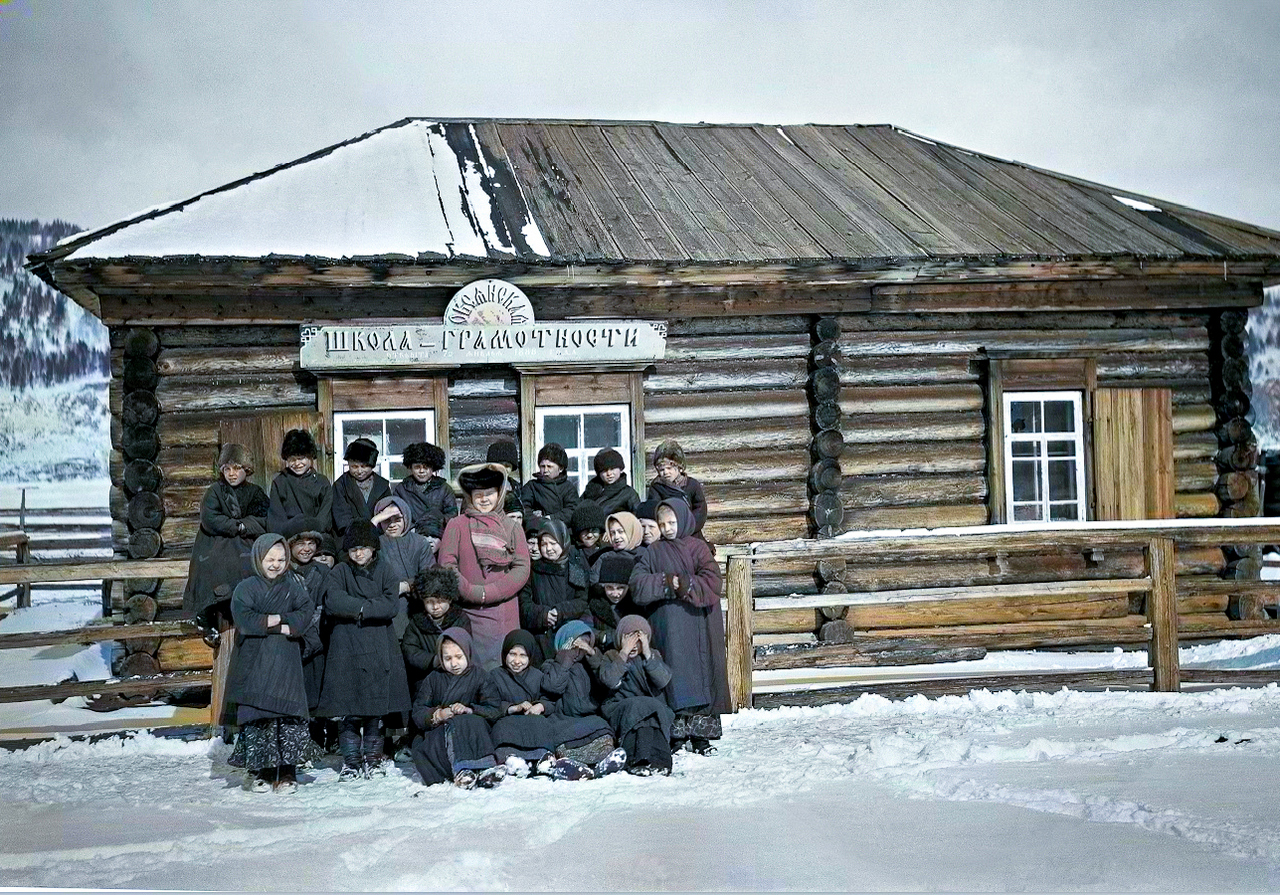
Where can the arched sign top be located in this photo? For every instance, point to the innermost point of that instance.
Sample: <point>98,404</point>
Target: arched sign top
<point>488,303</point>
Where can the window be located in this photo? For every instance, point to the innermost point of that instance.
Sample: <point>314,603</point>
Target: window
<point>585,431</point>
<point>1044,456</point>
<point>390,430</point>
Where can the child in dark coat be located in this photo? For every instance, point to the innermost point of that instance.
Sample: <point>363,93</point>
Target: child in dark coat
<point>587,527</point>
<point>452,709</point>
<point>647,515</point>
<point>608,599</point>
<point>431,500</point>
<point>677,582</point>
<point>433,608</point>
<point>357,491</point>
<point>672,482</point>
<point>551,492</point>
<point>557,588</point>
<point>364,677</point>
<point>402,548</point>
<point>265,681</point>
<point>232,514</point>
<point>623,535</point>
<point>304,537</point>
<point>609,487</point>
<point>582,734</point>
<point>637,707</point>
<point>523,735</point>
<point>299,490</point>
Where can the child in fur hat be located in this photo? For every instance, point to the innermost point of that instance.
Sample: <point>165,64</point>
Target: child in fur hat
<point>488,550</point>
<point>358,490</point>
<point>557,588</point>
<point>298,490</point>
<point>551,492</point>
<point>431,499</point>
<point>433,608</point>
<point>677,583</point>
<point>609,487</point>
<point>587,527</point>
<point>232,514</point>
<point>364,677</point>
<point>636,677</point>
<point>582,734</point>
<point>672,481</point>
<point>505,453</point>
<point>608,599</point>
<point>454,706</point>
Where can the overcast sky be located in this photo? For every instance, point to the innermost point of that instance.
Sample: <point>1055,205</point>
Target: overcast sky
<point>107,108</point>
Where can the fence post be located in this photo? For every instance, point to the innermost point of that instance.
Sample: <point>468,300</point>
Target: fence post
<point>218,685</point>
<point>738,650</point>
<point>1162,613</point>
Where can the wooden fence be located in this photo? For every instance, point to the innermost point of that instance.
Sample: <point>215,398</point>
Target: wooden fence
<point>1150,584</point>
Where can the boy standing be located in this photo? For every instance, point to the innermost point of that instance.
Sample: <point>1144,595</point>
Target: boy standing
<point>431,501</point>
<point>358,490</point>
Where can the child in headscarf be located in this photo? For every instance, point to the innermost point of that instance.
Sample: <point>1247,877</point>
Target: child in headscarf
<point>677,582</point>
<point>672,481</point>
<point>452,709</point>
<point>557,588</point>
<point>523,735</point>
<point>582,734</point>
<point>636,676</point>
<point>271,610</point>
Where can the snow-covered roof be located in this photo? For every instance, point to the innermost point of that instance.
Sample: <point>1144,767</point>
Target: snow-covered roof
<point>573,192</point>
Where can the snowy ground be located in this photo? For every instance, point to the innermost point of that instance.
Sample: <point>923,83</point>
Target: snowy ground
<point>1067,791</point>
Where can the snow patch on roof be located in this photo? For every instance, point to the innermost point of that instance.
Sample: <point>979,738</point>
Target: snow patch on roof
<point>400,191</point>
<point>1137,204</point>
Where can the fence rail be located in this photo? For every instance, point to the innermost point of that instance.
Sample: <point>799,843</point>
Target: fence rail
<point>1158,540</point>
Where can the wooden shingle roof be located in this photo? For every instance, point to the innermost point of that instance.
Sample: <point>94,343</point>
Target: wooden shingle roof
<point>578,192</point>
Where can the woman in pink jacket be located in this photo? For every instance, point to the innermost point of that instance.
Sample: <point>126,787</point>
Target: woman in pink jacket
<point>488,549</point>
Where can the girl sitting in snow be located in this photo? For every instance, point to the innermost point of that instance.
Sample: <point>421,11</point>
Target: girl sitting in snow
<point>452,708</point>
<point>271,610</point>
<point>582,735</point>
<point>523,735</point>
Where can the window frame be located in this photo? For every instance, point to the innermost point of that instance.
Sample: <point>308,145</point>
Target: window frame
<point>1078,436</point>
<point>584,454</point>
<point>385,459</point>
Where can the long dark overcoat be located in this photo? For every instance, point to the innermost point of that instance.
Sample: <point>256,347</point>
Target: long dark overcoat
<point>219,554</point>
<point>577,718</point>
<point>432,504</point>
<point>292,496</point>
<point>557,497</point>
<point>266,667</point>
<point>637,688</point>
<point>616,498</point>
<point>349,502</point>
<point>364,672</point>
<point>688,631</point>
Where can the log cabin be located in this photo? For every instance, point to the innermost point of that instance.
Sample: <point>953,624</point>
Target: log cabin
<point>846,327</point>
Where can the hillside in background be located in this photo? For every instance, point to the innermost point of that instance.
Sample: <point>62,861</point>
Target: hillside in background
<point>1264,369</point>
<point>45,338</point>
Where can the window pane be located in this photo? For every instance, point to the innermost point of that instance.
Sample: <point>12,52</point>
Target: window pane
<point>353,429</point>
<point>398,471</point>
<point>1026,448</point>
<point>401,433</point>
<point>1062,480</point>
<point>573,467</point>
<point>1027,512</point>
<point>1024,417</point>
<point>1061,448</point>
<point>602,430</point>
<point>1059,416</point>
<point>1026,481</point>
<point>563,430</point>
<point>1064,512</point>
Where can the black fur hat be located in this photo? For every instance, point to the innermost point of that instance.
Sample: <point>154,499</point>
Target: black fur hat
<point>606,460</point>
<point>303,526</point>
<point>616,566</point>
<point>233,454</point>
<point>555,453</point>
<point>586,516</point>
<point>648,509</point>
<point>360,533</point>
<point>438,581</point>
<point>298,443</point>
<point>504,452</point>
<point>426,453</point>
<point>362,450</point>
<point>479,478</point>
<point>328,546</point>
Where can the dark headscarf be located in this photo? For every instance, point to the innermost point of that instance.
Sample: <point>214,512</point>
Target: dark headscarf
<point>261,547</point>
<point>519,637</point>
<point>685,523</point>
<point>458,636</point>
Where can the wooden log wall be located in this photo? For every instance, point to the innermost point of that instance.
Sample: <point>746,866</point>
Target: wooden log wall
<point>912,399</point>
<point>483,407</point>
<point>732,391</point>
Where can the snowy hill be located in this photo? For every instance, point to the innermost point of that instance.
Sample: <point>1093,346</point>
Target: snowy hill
<point>54,368</point>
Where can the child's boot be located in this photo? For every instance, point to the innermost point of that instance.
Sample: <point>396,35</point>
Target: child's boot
<point>568,769</point>
<point>286,779</point>
<point>256,781</point>
<point>374,766</point>
<point>611,763</point>
<point>491,777</point>
<point>465,779</point>
<point>349,747</point>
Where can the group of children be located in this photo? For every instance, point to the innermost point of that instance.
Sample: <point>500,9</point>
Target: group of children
<point>531,630</point>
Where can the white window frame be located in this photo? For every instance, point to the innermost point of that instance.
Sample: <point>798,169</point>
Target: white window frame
<point>384,459</point>
<point>585,455</point>
<point>1081,501</point>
